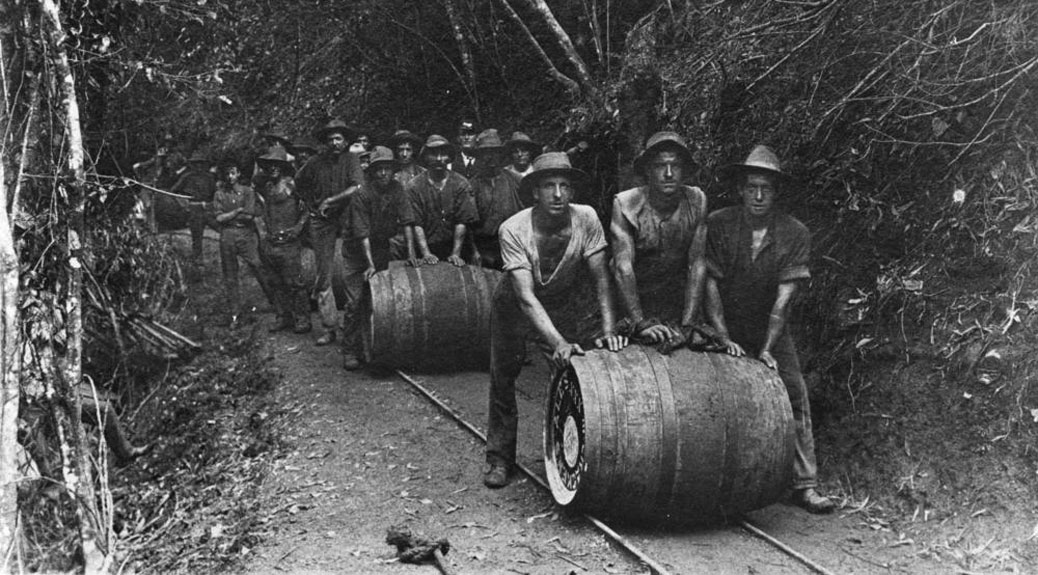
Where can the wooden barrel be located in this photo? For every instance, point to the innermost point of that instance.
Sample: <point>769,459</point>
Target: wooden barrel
<point>691,437</point>
<point>430,318</point>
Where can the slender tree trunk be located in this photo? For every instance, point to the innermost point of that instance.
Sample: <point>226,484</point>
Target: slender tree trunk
<point>79,474</point>
<point>10,358</point>
<point>466,52</point>
<point>583,75</point>
<point>567,82</point>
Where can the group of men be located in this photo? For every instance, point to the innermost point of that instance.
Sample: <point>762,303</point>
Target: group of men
<point>504,204</point>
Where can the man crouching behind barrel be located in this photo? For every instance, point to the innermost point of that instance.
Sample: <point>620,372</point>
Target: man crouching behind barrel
<point>755,256</point>
<point>546,251</point>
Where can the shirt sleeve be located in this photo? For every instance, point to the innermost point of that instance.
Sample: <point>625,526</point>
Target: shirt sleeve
<point>513,254</point>
<point>715,249</point>
<point>405,211</point>
<point>356,173</point>
<point>594,235</point>
<point>465,204</point>
<point>795,262</point>
<point>359,217</point>
<point>414,199</point>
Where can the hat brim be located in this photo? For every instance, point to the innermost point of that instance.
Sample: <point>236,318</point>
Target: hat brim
<point>451,150</point>
<point>732,171</point>
<point>375,163</point>
<point>642,160</point>
<point>580,178</point>
<point>323,133</point>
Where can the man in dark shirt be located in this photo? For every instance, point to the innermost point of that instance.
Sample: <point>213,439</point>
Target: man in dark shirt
<point>658,235</point>
<point>324,185</point>
<point>377,213</point>
<point>755,256</point>
<point>197,183</point>
<point>464,162</point>
<point>405,145</point>
<point>280,230</point>
<point>522,150</point>
<point>443,206</point>
<point>497,197</point>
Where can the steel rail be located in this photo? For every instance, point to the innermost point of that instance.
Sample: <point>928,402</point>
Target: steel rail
<point>656,568</point>
<point>599,524</point>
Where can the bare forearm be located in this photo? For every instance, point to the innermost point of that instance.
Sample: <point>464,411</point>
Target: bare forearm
<point>779,315</point>
<point>627,284</point>
<point>419,235</point>
<point>365,245</point>
<point>693,291</point>
<point>538,316</point>
<point>714,308</point>
<point>459,239</point>
<point>409,240</point>
<point>341,196</point>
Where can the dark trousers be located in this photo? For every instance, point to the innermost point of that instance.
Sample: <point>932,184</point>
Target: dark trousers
<point>240,243</point>
<point>322,232</point>
<point>805,466</point>
<point>197,216</point>
<point>284,270</point>
<point>354,282</point>
<point>509,330</point>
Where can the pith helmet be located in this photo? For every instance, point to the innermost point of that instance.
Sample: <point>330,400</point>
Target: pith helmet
<point>437,141</point>
<point>661,140</point>
<point>381,155</point>
<point>761,159</point>
<point>521,140</point>
<point>489,141</point>
<point>551,164</point>
<point>335,125</point>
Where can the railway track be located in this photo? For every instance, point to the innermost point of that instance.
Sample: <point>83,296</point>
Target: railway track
<point>662,552</point>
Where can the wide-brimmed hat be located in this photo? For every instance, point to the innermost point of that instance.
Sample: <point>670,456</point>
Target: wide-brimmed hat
<point>521,140</point>
<point>276,155</point>
<point>198,156</point>
<point>401,136</point>
<point>551,164</point>
<point>304,144</point>
<point>276,134</point>
<point>661,140</point>
<point>381,155</point>
<point>335,125</point>
<point>761,159</point>
<point>488,141</point>
<point>437,141</point>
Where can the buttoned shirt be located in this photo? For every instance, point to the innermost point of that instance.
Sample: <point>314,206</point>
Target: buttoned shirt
<point>497,199</point>
<point>228,199</point>
<point>326,175</point>
<point>437,210</point>
<point>748,285</point>
<point>379,216</point>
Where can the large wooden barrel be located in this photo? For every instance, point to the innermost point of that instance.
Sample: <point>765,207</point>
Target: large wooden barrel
<point>691,437</point>
<point>431,318</point>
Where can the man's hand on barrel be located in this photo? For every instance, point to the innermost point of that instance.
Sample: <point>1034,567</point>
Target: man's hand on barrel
<point>369,272</point>
<point>456,260</point>
<point>766,357</point>
<point>730,347</point>
<point>563,352</point>
<point>611,342</point>
<point>428,260</point>
<point>652,331</point>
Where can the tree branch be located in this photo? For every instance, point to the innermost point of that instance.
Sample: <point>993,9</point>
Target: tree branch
<point>567,82</point>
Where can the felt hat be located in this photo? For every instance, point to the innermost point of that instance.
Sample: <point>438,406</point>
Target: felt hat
<point>198,156</point>
<point>381,155</point>
<point>401,136</point>
<point>521,140</point>
<point>357,148</point>
<point>437,141</point>
<point>278,135</point>
<point>551,164</point>
<point>335,125</point>
<point>304,144</point>
<point>489,141</point>
<point>761,159</point>
<point>276,155</point>
<point>661,140</point>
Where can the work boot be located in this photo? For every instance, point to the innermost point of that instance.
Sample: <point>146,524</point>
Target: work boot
<point>327,338</point>
<point>283,323</point>
<point>813,502</point>
<point>496,477</point>
<point>302,326</point>
<point>350,362</point>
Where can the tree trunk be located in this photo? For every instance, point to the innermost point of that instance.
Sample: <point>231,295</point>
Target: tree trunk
<point>567,82</point>
<point>583,75</point>
<point>78,472</point>
<point>466,52</point>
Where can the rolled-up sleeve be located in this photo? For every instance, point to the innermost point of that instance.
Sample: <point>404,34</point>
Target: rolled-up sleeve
<point>795,263</point>
<point>715,249</point>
